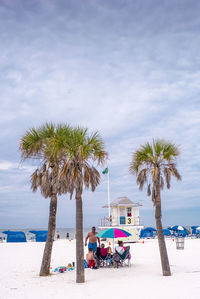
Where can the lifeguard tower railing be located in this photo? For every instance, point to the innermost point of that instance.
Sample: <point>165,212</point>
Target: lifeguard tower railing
<point>120,221</point>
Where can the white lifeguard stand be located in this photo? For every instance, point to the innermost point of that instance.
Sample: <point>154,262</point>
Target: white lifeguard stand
<point>125,215</point>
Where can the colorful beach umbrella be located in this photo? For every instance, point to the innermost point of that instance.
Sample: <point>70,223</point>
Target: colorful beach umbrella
<point>113,233</point>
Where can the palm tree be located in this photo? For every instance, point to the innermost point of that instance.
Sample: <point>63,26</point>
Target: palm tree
<point>47,145</point>
<point>154,165</point>
<point>84,152</point>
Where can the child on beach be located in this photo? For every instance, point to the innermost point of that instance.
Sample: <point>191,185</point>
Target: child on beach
<point>90,258</point>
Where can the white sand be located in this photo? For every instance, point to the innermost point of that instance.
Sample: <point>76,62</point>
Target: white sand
<point>20,264</point>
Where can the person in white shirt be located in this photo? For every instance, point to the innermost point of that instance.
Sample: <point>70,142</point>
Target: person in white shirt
<point>120,249</point>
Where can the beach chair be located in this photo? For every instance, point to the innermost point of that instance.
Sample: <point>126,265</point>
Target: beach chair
<point>122,259</point>
<point>101,256</point>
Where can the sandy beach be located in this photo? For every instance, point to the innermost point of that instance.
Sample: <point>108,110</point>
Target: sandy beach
<point>20,264</point>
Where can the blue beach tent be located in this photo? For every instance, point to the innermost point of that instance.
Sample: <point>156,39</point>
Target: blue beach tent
<point>194,229</point>
<point>150,228</point>
<point>148,232</point>
<point>170,227</point>
<point>166,232</point>
<point>15,236</point>
<point>182,233</point>
<point>40,235</point>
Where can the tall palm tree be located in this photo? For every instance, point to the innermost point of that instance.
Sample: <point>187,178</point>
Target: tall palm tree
<point>84,153</point>
<point>47,145</point>
<point>154,165</point>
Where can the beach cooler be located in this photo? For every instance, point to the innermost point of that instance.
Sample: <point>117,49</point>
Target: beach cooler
<point>180,242</point>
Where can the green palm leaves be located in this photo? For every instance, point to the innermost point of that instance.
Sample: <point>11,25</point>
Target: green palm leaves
<point>78,170</point>
<point>46,142</point>
<point>154,165</point>
<point>65,158</point>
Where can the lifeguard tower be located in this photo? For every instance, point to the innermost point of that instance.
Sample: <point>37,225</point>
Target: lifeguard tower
<point>124,214</point>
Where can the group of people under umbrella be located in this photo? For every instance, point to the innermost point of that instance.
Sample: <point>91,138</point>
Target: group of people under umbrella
<point>105,256</point>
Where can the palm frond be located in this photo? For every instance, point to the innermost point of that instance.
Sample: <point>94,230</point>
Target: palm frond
<point>142,178</point>
<point>167,174</point>
<point>35,181</point>
<point>31,144</point>
<point>149,190</point>
<point>175,172</point>
<point>154,162</point>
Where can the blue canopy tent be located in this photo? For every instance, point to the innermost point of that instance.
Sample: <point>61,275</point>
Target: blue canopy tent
<point>15,236</point>
<point>148,232</point>
<point>166,232</point>
<point>194,229</point>
<point>40,235</point>
<point>170,227</point>
<point>182,233</point>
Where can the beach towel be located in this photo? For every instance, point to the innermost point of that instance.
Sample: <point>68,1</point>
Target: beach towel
<point>62,269</point>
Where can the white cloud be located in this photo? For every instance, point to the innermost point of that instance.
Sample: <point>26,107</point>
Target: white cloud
<point>8,165</point>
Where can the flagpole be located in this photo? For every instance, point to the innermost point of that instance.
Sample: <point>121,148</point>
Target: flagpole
<point>108,195</point>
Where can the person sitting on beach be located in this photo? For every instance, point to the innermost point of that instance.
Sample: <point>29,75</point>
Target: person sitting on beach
<point>90,258</point>
<point>92,239</point>
<point>120,248</point>
<point>103,251</point>
<point>120,253</point>
<point>109,250</point>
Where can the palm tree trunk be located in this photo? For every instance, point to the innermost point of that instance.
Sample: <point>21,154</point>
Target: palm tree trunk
<point>161,240</point>
<point>80,271</point>
<point>45,267</point>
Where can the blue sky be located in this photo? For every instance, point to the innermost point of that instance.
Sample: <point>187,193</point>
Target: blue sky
<point>130,69</point>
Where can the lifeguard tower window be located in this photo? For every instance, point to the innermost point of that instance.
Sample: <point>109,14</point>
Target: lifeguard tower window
<point>129,212</point>
<point>122,220</point>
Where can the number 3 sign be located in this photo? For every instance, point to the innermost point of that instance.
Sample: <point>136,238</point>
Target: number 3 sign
<point>129,220</point>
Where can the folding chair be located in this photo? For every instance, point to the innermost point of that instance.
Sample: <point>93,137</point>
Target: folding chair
<point>122,259</point>
<point>101,256</point>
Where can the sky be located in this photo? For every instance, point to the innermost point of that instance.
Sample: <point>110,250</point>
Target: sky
<point>128,69</point>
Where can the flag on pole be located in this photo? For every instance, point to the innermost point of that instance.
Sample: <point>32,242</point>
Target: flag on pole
<point>105,171</point>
